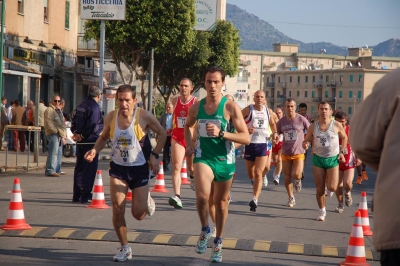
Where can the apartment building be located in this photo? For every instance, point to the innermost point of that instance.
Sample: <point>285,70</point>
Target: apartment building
<point>40,49</point>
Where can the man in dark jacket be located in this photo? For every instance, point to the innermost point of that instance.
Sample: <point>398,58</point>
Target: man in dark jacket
<point>87,125</point>
<point>166,123</point>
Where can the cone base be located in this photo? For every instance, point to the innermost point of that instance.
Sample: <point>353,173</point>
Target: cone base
<point>368,233</point>
<point>16,227</point>
<point>185,182</point>
<point>98,206</point>
<point>344,263</point>
<point>161,190</point>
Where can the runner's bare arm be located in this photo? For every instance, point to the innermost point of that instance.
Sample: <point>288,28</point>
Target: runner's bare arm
<point>272,125</point>
<point>189,127</point>
<point>242,135</point>
<point>102,140</point>
<point>309,136</point>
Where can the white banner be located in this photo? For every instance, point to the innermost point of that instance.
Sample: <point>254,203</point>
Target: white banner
<point>103,9</point>
<point>206,14</point>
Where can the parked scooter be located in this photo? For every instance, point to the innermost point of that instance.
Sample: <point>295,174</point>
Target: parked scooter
<point>69,147</point>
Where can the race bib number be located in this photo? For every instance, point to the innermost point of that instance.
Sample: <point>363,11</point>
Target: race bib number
<point>181,122</point>
<point>124,153</point>
<point>323,141</point>
<point>259,123</point>
<point>290,135</point>
<point>203,124</point>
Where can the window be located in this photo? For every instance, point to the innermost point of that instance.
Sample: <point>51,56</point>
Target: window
<point>359,94</point>
<point>340,94</point>
<point>306,94</point>
<point>266,94</point>
<point>298,79</point>
<point>298,93</point>
<point>341,78</point>
<point>326,94</point>
<point>351,78</point>
<point>67,14</point>
<point>312,109</point>
<point>306,79</point>
<point>267,79</point>
<point>313,94</point>
<point>46,11</point>
<point>350,110</point>
<point>350,94</point>
<point>313,78</point>
<point>279,79</point>
<point>290,79</point>
<point>290,94</point>
<point>360,78</point>
<point>21,6</point>
<point>327,78</point>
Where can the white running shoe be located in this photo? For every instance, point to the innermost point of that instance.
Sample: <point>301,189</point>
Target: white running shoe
<point>265,181</point>
<point>214,232</point>
<point>339,208</point>
<point>151,206</point>
<point>321,215</point>
<point>291,202</point>
<point>348,199</point>
<point>276,180</point>
<point>123,254</point>
<point>192,186</point>
<point>297,185</point>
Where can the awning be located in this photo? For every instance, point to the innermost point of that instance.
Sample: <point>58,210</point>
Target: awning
<point>12,67</point>
<point>90,80</point>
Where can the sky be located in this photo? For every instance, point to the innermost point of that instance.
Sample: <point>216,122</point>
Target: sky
<point>349,23</point>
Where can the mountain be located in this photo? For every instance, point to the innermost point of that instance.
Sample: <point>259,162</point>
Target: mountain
<point>259,35</point>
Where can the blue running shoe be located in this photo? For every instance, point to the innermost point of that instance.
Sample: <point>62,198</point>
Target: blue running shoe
<point>201,245</point>
<point>216,253</point>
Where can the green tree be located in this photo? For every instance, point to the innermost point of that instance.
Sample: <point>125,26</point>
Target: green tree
<point>164,25</point>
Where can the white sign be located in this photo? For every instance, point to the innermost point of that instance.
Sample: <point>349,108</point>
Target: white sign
<point>206,14</point>
<point>103,9</point>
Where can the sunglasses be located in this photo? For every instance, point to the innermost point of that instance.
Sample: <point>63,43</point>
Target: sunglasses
<point>56,101</point>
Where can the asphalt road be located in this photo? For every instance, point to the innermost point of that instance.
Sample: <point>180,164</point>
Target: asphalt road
<point>47,203</point>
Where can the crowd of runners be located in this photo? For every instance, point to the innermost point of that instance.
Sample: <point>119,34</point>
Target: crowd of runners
<point>208,133</point>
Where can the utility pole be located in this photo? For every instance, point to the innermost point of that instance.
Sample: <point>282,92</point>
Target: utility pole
<point>150,93</point>
<point>3,7</point>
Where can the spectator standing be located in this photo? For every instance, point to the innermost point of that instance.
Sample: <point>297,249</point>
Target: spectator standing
<point>55,133</point>
<point>42,109</point>
<point>166,123</point>
<point>18,117</point>
<point>10,132</point>
<point>87,125</point>
<point>29,121</point>
<point>4,120</point>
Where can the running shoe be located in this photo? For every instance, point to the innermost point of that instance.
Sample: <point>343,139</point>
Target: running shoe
<point>151,206</point>
<point>364,175</point>
<point>276,180</point>
<point>176,202</point>
<point>216,253</point>
<point>230,199</point>
<point>201,245</point>
<point>321,215</point>
<point>265,181</point>
<point>327,192</point>
<point>348,200</point>
<point>339,208</point>
<point>359,180</point>
<point>214,232</point>
<point>291,202</point>
<point>253,206</point>
<point>192,186</point>
<point>123,254</point>
<point>297,185</point>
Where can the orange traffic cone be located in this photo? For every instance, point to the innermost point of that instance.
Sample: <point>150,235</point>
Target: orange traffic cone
<point>355,255</point>
<point>363,209</point>
<point>98,201</point>
<point>184,179</point>
<point>16,217</point>
<point>159,186</point>
<point>129,194</point>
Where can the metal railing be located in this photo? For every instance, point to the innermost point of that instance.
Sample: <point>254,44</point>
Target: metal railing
<point>91,45</point>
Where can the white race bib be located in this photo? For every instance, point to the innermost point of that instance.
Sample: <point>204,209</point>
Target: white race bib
<point>122,149</point>
<point>323,141</point>
<point>259,123</point>
<point>181,122</point>
<point>202,123</point>
<point>290,135</point>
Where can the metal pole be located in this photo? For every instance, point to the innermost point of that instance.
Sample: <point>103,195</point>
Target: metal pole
<point>3,7</point>
<point>150,100</point>
<point>36,133</point>
<point>101,75</point>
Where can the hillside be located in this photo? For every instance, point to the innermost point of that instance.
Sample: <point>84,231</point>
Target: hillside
<point>259,35</point>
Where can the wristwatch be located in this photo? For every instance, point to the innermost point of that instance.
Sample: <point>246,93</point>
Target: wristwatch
<point>221,133</point>
<point>155,155</point>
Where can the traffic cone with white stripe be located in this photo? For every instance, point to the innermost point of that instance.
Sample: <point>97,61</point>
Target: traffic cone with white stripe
<point>15,216</point>
<point>159,186</point>
<point>355,255</point>
<point>363,209</point>
<point>184,178</point>
<point>129,195</point>
<point>98,200</point>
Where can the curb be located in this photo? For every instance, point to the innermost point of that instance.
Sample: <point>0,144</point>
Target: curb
<point>187,240</point>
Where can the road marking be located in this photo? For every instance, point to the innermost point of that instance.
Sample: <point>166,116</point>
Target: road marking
<point>96,235</point>
<point>192,241</point>
<point>32,232</point>
<point>368,254</point>
<point>229,242</point>
<point>261,245</point>
<point>64,233</point>
<point>329,251</point>
<point>200,262</point>
<point>132,236</point>
<point>162,238</point>
<point>296,248</point>
<point>1,231</point>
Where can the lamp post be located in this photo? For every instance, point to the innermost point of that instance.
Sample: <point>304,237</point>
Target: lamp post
<point>3,6</point>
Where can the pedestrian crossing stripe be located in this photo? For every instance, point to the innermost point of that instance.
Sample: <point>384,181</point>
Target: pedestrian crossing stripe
<point>186,240</point>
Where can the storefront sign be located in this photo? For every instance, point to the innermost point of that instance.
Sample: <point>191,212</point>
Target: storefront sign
<point>103,9</point>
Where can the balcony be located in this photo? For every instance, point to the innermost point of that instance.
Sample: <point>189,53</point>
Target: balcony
<point>281,99</point>
<point>284,85</point>
<point>330,99</point>
<point>317,100</point>
<point>242,79</point>
<point>271,84</point>
<point>246,73</point>
<point>244,62</point>
<point>87,48</point>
